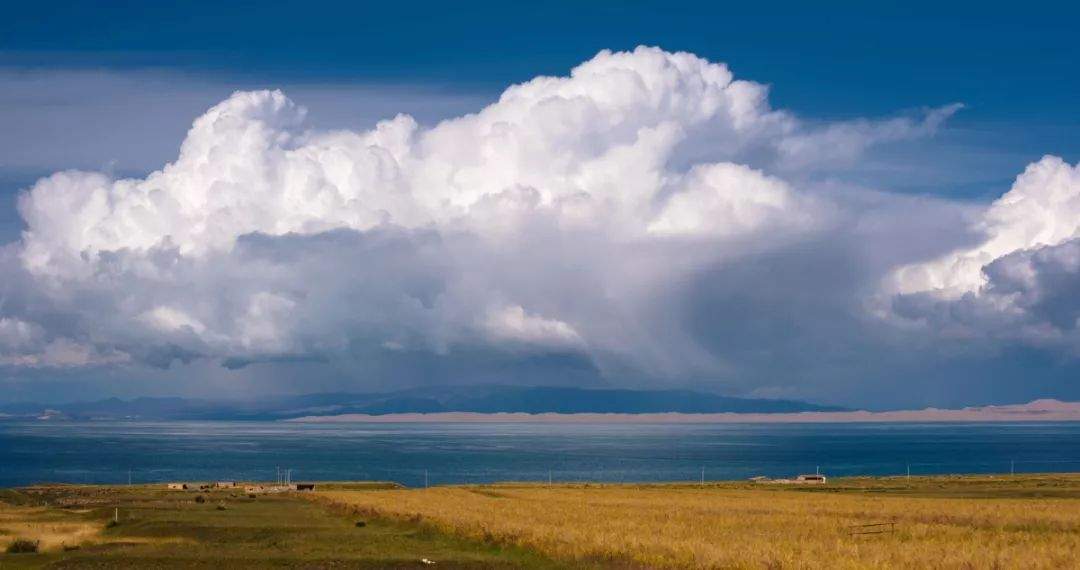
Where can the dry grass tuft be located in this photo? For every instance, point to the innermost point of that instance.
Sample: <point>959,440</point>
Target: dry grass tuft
<point>22,546</point>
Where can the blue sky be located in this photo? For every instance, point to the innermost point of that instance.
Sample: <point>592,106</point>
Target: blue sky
<point>844,58</point>
<point>114,87</point>
<point>1010,64</point>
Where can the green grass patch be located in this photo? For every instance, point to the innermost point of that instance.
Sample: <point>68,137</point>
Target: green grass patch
<point>168,529</point>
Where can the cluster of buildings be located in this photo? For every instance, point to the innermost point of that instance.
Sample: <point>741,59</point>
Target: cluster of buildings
<point>250,489</point>
<point>279,488</point>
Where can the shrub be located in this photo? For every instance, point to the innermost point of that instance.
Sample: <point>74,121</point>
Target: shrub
<point>360,524</point>
<point>112,523</point>
<point>200,499</point>
<point>22,546</point>
<point>221,507</point>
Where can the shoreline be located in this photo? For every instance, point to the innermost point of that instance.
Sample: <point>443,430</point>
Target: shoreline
<point>1036,411</point>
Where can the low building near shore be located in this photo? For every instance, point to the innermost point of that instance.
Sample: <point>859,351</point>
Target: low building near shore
<point>816,479</point>
<point>178,486</point>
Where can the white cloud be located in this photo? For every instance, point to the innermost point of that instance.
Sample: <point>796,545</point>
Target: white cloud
<point>732,199</point>
<point>598,140</point>
<point>646,212</point>
<point>1019,282</point>
<point>586,154</point>
<point>1041,209</point>
<point>170,319</point>
<point>514,324</point>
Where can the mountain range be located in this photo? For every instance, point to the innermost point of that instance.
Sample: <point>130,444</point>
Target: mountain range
<point>476,399</point>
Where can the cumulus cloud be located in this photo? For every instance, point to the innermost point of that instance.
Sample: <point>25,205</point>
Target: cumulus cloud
<point>1018,281</point>
<point>583,157</point>
<point>637,215</point>
<point>1041,209</point>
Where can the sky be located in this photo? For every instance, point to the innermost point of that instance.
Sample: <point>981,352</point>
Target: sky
<point>872,206</point>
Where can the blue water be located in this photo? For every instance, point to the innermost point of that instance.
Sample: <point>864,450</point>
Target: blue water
<point>104,452</point>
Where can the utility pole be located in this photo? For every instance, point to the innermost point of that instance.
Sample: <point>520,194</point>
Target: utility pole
<point>129,477</point>
<point>1012,467</point>
<point>817,470</point>
<point>425,479</point>
<point>702,476</point>
<point>909,471</point>
<point>549,477</point>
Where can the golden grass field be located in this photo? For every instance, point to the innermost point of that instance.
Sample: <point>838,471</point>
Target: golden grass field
<point>53,531</point>
<point>1023,522</point>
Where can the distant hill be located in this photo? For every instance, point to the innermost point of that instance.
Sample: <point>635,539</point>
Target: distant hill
<point>478,399</point>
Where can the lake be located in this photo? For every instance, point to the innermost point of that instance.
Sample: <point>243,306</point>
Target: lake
<point>108,452</point>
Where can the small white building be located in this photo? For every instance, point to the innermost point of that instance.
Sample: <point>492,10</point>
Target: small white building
<point>178,486</point>
<point>811,479</point>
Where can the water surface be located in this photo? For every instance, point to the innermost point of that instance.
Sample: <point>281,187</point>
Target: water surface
<point>105,452</point>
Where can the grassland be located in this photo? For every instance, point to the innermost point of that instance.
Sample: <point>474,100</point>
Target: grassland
<point>958,522</point>
<point>937,522</point>
<point>49,529</point>
<point>168,529</point>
